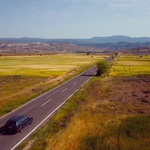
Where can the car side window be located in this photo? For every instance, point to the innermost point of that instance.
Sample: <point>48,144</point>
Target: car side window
<point>22,120</point>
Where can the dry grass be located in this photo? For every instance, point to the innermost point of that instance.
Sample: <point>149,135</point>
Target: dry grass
<point>25,77</point>
<point>88,124</point>
<point>104,123</point>
<point>107,113</point>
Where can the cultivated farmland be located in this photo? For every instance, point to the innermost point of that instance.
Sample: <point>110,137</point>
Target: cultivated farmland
<point>25,77</point>
<point>131,65</point>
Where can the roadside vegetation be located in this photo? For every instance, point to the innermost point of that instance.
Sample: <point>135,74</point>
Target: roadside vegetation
<point>131,65</point>
<point>108,113</point>
<point>25,77</point>
<point>102,67</point>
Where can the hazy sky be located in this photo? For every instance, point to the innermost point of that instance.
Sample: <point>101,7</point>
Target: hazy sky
<point>74,18</point>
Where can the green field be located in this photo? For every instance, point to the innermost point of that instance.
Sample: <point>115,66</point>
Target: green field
<point>25,77</point>
<point>131,65</point>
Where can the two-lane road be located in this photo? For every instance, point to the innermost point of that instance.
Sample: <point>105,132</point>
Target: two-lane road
<point>42,108</point>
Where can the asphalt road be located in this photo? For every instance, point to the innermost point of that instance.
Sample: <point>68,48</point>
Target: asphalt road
<point>41,109</point>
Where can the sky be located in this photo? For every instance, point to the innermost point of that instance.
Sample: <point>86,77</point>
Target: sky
<point>74,18</point>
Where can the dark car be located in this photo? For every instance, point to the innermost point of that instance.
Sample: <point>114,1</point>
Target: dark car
<point>17,123</point>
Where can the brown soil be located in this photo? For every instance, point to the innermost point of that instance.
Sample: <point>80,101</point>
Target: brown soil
<point>132,94</point>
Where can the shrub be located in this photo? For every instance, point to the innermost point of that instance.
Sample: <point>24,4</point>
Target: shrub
<point>103,67</point>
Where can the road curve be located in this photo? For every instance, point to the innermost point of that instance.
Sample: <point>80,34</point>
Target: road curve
<point>42,108</point>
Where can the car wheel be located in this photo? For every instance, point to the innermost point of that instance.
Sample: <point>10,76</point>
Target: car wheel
<point>20,129</point>
<point>30,121</point>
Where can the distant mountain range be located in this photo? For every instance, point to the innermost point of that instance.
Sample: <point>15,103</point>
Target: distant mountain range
<point>113,42</point>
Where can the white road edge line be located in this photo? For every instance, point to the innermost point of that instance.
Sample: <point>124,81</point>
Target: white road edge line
<point>76,91</point>
<point>37,126</point>
<point>43,121</point>
<point>86,81</point>
<point>45,103</point>
<point>70,96</point>
<point>44,94</point>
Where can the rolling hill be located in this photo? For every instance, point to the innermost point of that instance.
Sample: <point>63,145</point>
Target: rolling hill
<point>116,42</point>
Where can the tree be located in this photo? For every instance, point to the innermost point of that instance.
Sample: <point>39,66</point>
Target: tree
<point>103,67</point>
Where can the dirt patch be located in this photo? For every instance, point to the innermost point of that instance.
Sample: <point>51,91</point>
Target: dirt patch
<point>131,93</point>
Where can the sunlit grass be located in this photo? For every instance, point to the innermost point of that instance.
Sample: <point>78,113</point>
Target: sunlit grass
<point>46,65</point>
<point>131,65</point>
<point>93,119</point>
<point>88,122</point>
<point>134,133</point>
<point>25,77</point>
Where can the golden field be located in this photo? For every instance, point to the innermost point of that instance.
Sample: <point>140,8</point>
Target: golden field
<point>25,77</point>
